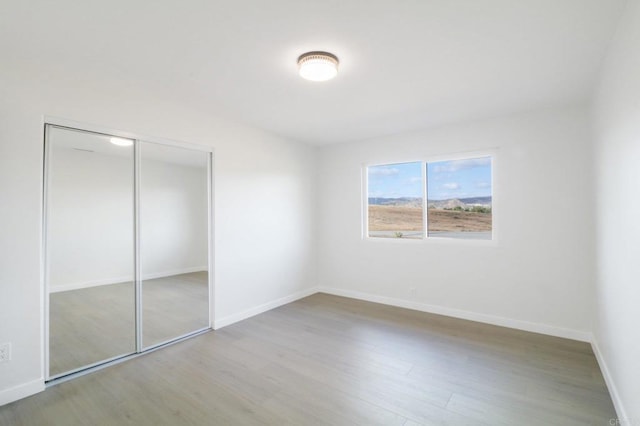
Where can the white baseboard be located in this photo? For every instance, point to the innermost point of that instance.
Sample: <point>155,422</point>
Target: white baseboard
<point>174,272</point>
<point>87,284</point>
<point>128,278</point>
<point>21,391</point>
<point>613,390</point>
<point>230,319</point>
<point>550,330</point>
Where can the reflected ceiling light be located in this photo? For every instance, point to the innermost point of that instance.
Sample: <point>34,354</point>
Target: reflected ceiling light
<point>121,141</point>
<point>318,66</point>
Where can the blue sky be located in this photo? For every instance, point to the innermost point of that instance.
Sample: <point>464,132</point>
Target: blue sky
<point>395,180</point>
<point>459,178</point>
<point>447,179</point>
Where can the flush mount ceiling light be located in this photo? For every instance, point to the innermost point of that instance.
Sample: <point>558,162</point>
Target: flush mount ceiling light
<point>318,66</point>
<point>121,141</point>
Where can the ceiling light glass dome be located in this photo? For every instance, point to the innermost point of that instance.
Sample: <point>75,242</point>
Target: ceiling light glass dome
<point>318,66</point>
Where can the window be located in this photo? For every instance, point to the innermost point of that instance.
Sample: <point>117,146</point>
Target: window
<point>459,199</point>
<point>395,200</point>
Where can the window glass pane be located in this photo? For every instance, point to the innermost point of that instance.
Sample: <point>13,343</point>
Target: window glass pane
<point>459,194</point>
<point>395,200</point>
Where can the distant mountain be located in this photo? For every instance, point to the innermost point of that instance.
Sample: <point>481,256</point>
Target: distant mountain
<point>477,200</point>
<point>450,203</point>
<point>463,203</point>
<point>403,201</point>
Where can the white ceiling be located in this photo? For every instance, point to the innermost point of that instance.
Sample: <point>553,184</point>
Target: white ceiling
<point>405,64</point>
<point>99,144</point>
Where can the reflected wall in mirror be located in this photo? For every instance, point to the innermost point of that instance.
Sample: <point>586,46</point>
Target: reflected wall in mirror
<point>174,205</point>
<point>90,249</point>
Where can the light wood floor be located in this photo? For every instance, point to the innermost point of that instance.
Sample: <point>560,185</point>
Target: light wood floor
<point>93,324</point>
<point>327,360</point>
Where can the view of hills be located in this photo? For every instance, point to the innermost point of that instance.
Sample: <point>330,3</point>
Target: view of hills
<point>449,204</point>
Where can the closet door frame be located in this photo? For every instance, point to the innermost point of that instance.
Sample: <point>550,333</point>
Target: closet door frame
<point>47,123</point>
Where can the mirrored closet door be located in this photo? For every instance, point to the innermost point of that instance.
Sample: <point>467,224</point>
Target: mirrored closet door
<point>90,249</point>
<point>126,246</point>
<point>173,242</point>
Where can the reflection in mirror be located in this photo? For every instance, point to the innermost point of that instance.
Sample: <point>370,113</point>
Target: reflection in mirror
<point>90,246</point>
<point>173,242</point>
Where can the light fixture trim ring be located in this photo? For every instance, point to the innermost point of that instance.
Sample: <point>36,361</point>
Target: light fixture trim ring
<point>319,55</point>
<point>318,65</point>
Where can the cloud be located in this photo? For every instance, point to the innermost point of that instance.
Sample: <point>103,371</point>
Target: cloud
<point>383,171</point>
<point>456,165</point>
<point>415,179</point>
<point>451,185</point>
<point>483,184</point>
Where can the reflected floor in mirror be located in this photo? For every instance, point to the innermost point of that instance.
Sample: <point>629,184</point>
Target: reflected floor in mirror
<point>174,306</point>
<point>93,324</point>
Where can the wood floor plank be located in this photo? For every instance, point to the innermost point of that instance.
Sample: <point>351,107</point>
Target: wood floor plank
<point>327,360</point>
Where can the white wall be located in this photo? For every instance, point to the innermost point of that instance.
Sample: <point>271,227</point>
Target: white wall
<point>91,220</point>
<point>617,163</point>
<point>263,207</point>
<point>539,276</point>
<point>173,217</point>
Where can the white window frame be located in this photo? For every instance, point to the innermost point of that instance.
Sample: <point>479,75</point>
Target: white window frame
<point>493,153</point>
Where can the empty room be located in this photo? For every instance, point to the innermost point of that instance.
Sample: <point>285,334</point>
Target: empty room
<point>411,212</point>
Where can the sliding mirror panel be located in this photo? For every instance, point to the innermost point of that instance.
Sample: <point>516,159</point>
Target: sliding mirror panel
<point>90,248</point>
<point>174,228</point>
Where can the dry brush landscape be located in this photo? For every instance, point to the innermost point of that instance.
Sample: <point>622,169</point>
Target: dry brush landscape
<point>403,218</point>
